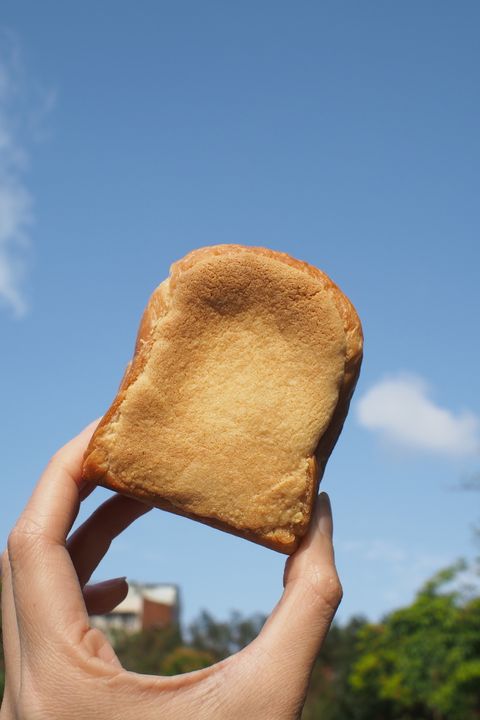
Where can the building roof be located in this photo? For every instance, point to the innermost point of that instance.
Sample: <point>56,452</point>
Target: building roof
<point>159,593</point>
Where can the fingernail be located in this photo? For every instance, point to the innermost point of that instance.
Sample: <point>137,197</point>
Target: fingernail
<point>325,523</point>
<point>115,581</point>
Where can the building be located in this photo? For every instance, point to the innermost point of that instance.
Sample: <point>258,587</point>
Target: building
<point>146,606</point>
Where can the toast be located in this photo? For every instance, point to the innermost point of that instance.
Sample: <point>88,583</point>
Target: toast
<point>244,366</point>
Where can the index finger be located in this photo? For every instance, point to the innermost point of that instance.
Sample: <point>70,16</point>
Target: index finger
<point>45,585</point>
<point>53,506</point>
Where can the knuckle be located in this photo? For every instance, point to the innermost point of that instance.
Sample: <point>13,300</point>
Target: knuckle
<point>327,589</point>
<point>57,461</point>
<point>333,590</point>
<point>23,536</point>
<point>15,542</point>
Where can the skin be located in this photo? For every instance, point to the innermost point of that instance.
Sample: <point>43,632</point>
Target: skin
<point>58,667</point>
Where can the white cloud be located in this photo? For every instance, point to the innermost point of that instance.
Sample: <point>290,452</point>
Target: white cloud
<point>15,214</point>
<point>401,410</point>
<point>15,198</point>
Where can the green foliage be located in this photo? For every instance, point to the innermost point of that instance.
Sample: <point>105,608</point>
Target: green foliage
<point>330,695</point>
<point>164,651</point>
<point>185,659</point>
<point>422,662</point>
<point>145,651</point>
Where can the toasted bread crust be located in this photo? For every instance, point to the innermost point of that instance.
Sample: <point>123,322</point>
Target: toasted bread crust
<point>96,465</point>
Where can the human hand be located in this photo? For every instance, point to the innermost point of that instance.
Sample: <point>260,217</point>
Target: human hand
<point>59,668</point>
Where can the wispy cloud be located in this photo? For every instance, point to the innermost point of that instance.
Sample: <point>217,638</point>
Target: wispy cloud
<point>376,550</point>
<point>403,570</point>
<point>402,411</point>
<point>21,106</point>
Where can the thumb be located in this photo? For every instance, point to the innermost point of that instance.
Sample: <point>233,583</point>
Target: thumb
<point>295,631</point>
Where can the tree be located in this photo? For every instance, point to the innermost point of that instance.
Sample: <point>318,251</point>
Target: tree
<point>145,651</point>
<point>423,661</point>
<point>330,695</point>
<point>165,652</point>
<point>222,639</point>
<point>185,659</point>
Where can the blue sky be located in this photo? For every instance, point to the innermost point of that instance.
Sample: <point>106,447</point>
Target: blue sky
<point>343,133</point>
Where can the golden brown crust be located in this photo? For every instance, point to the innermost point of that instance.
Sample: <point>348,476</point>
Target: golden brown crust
<point>97,464</point>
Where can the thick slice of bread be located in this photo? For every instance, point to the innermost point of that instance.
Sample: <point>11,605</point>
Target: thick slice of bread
<point>245,363</point>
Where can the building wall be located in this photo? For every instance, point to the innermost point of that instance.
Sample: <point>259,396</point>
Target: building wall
<point>157,614</point>
<point>145,606</point>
